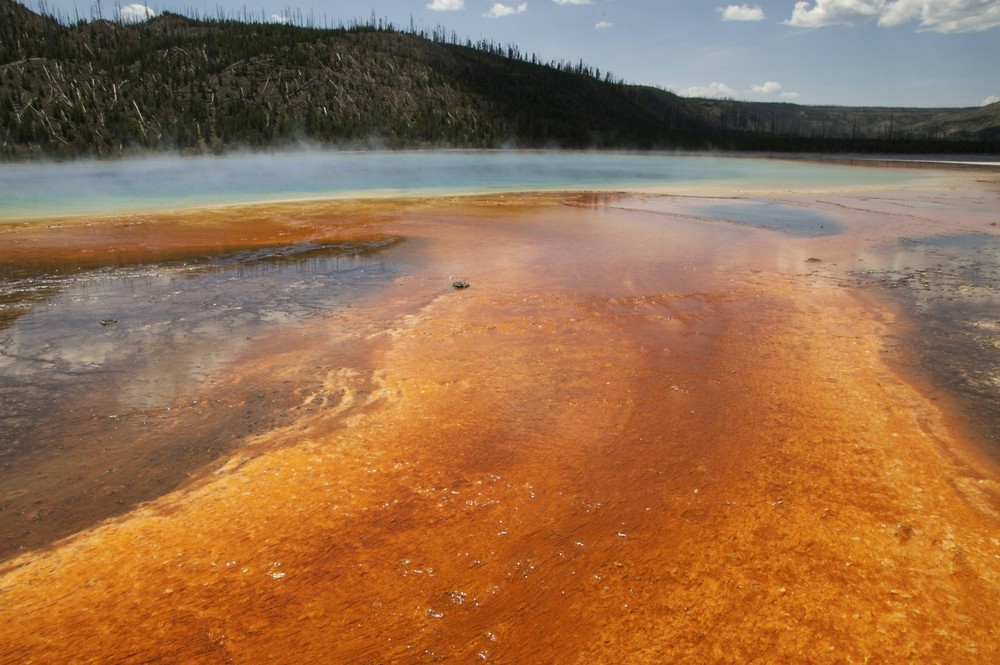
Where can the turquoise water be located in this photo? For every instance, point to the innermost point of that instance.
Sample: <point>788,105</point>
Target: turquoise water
<point>82,188</point>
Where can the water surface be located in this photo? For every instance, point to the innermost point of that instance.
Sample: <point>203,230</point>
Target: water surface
<point>31,190</point>
<point>791,220</point>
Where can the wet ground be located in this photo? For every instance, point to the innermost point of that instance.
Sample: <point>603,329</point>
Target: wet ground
<point>950,285</point>
<point>654,428</point>
<point>108,374</point>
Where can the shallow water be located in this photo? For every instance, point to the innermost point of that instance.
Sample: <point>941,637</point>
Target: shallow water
<point>112,363</point>
<point>177,308</point>
<point>950,284</point>
<point>791,220</point>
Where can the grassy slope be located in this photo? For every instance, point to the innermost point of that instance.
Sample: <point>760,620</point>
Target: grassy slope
<point>179,84</point>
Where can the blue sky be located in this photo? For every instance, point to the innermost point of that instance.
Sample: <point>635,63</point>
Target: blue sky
<point>847,52</point>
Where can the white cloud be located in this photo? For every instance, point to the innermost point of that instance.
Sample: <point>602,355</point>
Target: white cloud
<point>768,88</point>
<point>278,18</point>
<point>499,9</point>
<point>943,15</point>
<point>992,99</point>
<point>773,88</point>
<point>601,25</point>
<point>742,13</point>
<point>135,13</point>
<point>900,12</point>
<point>446,5</point>
<point>573,2</point>
<point>932,15</point>
<point>712,90</point>
<point>834,12</point>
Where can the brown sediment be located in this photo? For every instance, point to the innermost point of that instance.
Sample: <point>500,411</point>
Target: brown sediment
<point>639,436</point>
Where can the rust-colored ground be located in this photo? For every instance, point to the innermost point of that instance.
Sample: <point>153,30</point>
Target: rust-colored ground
<point>638,437</point>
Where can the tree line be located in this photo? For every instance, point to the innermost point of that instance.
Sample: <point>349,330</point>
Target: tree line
<point>100,87</point>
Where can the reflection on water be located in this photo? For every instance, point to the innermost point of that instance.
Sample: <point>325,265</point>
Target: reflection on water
<point>110,352</point>
<point>950,284</point>
<point>790,219</point>
<point>986,245</point>
<point>778,216</point>
<point>174,310</point>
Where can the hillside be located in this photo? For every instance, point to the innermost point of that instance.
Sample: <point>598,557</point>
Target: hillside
<point>857,124</point>
<point>174,83</point>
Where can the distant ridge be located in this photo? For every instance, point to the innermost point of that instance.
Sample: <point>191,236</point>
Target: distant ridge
<point>174,83</point>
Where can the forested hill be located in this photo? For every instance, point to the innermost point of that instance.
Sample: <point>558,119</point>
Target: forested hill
<point>179,84</point>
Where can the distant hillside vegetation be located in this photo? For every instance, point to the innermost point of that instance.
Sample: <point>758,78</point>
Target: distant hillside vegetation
<point>174,83</point>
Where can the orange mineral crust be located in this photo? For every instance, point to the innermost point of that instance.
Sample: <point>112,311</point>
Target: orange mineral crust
<point>63,244</point>
<point>639,436</point>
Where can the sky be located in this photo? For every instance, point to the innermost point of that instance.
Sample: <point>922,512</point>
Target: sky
<point>925,53</point>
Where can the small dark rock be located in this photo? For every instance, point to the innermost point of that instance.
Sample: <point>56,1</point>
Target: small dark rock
<point>813,259</point>
<point>460,285</point>
<point>108,322</point>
